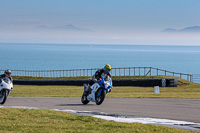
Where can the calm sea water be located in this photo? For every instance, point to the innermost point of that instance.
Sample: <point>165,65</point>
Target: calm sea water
<point>184,59</point>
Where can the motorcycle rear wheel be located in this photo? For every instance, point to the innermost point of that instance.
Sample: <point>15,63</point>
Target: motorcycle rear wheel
<point>84,99</point>
<point>3,96</point>
<point>100,99</point>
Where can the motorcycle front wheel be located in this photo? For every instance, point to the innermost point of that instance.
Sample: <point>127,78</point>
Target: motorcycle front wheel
<point>100,99</point>
<point>84,99</point>
<point>3,96</point>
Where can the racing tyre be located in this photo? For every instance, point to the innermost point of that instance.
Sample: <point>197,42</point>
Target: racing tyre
<point>84,99</point>
<point>100,99</point>
<point>3,96</point>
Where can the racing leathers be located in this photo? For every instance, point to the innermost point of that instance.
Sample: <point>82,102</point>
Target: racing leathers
<point>97,76</point>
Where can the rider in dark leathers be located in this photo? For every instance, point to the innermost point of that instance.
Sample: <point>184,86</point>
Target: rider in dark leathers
<point>104,72</point>
<point>7,74</point>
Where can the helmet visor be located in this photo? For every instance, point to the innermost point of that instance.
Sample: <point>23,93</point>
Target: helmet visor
<point>108,69</point>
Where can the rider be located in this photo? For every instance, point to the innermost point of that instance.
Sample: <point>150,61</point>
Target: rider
<point>7,73</point>
<point>104,72</point>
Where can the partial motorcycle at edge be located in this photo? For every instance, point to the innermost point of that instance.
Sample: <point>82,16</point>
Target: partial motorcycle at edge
<point>6,86</point>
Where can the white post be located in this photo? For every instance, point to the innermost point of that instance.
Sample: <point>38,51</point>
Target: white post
<point>156,89</point>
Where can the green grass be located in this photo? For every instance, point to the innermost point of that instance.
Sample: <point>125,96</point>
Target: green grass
<point>44,121</point>
<point>46,91</point>
<point>185,89</point>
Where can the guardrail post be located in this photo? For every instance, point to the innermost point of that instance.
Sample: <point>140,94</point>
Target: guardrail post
<point>157,71</point>
<point>150,71</point>
<point>87,72</point>
<point>144,71</point>
<point>139,71</point>
<point>129,71</point>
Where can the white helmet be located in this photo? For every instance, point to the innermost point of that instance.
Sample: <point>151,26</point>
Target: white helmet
<point>8,72</point>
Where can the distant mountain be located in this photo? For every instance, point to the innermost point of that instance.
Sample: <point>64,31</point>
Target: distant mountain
<point>169,30</point>
<point>193,29</point>
<point>63,28</point>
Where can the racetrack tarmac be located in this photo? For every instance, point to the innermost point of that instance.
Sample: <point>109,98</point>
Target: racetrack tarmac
<point>174,109</point>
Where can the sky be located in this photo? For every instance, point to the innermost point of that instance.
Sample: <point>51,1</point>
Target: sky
<point>98,21</point>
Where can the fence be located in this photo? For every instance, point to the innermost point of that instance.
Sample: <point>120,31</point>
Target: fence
<point>196,78</point>
<point>125,71</point>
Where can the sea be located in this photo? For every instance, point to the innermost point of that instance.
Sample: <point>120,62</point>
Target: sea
<point>16,56</point>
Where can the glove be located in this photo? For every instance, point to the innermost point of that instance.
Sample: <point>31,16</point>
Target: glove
<point>95,80</point>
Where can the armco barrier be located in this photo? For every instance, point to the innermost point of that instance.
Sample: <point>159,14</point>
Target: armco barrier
<point>172,82</point>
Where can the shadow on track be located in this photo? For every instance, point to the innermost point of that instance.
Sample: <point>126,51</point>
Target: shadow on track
<point>74,105</point>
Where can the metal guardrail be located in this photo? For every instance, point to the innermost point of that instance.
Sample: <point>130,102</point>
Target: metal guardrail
<point>125,71</point>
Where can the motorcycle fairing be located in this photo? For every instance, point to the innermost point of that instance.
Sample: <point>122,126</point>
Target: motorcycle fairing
<point>94,88</point>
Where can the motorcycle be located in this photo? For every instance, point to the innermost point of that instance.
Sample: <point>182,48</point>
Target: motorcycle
<point>97,91</point>
<point>6,86</point>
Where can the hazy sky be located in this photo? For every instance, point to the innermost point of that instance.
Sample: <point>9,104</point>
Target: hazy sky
<point>109,21</point>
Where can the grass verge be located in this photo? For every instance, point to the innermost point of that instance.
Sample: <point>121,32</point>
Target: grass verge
<point>185,89</point>
<point>32,120</point>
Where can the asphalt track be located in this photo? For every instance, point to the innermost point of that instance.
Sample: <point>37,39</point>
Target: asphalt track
<point>173,109</point>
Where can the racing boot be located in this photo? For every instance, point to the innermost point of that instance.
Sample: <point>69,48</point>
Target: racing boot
<point>86,88</point>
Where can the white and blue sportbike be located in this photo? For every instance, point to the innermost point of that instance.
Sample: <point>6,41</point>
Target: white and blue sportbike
<point>97,91</point>
<point>6,86</point>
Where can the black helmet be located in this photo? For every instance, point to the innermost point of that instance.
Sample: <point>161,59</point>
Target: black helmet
<point>8,72</point>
